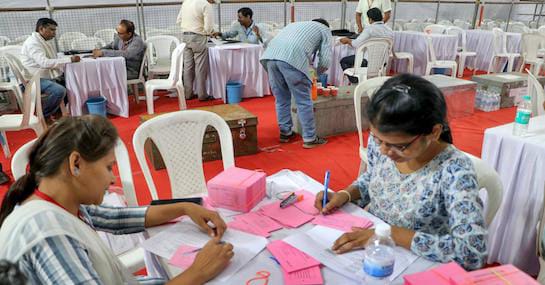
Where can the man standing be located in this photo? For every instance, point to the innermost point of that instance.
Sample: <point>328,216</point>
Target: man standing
<point>128,45</point>
<point>363,5</point>
<point>287,61</point>
<point>377,29</point>
<point>246,29</point>
<point>197,22</point>
<point>39,53</point>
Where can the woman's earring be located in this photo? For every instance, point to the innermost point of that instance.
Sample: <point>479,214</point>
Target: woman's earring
<point>76,171</point>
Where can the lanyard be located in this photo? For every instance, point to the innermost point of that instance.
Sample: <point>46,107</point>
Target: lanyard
<point>249,31</point>
<point>48,198</point>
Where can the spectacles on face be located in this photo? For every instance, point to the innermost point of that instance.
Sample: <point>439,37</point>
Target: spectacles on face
<point>399,148</point>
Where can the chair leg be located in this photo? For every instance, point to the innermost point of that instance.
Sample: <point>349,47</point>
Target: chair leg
<point>492,62</point>
<point>474,65</point>
<point>410,65</point>
<point>181,97</point>
<point>4,142</point>
<point>149,100</point>
<point>461,65</point>
<point>510,63</point>
<point>135,93</point>
<point>453,73</point>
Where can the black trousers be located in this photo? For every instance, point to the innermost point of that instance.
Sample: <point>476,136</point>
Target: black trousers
<point>348,62</point>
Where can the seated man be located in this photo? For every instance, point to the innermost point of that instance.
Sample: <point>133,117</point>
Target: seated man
<point>128,45</point>
<point>377,29</point>
<point>246,30</point>
<point>39,53</point>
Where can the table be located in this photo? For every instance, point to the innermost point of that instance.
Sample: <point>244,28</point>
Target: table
<point>404,41</point>
<point>520,162</point>
<point>286,180</point>
<point>237,62</point>
<point>104,76</point>
<point>481,42</point>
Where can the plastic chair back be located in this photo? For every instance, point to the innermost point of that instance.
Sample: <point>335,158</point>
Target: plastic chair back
<point>435,29</point>
<point>176,73</point>
<point>179,138</point>
<point>500,41</point>
<point>457,31</point>
<point>530,45</point>
<point>536,92</point>
<point>161,46</point>
<point>107,35</point>
<point>66,39</point>
<point>87,43</point>
<point>378,53</point>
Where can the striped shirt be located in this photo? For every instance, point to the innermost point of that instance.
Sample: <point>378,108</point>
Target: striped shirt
<point>297,43</point>
<point>64,260</point>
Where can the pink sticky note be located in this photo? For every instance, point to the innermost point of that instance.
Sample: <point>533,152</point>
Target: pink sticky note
<point>309,276</point>
<point>342,221</point>
<point>257,220</point>
<point>184,256</point>
<point>290,216</point>
<point>246,227</point>
<point>307,204</point>
<point>290,258</point>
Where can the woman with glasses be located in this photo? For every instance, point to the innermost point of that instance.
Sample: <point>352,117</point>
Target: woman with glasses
<point>416,180</point>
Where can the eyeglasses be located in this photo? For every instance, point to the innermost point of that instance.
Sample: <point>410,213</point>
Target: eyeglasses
<point>399,148</point>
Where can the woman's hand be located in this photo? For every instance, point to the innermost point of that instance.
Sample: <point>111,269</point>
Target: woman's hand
<point>211,260</point>
<point>201,216</point>
<point>352,240</point>
<point>334,201</point>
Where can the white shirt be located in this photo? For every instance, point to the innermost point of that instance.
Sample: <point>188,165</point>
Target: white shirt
<point>375,30</point>
<point>40,54</point>
<point>196,16</point>
<point>365,5</point>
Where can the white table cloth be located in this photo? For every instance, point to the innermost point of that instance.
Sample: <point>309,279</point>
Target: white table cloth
<point>105,76</point>
<point>237,62</point>
<point>520,162</point>
<point>404,41</point>
<point>481,42</point>
<point>286,180</point>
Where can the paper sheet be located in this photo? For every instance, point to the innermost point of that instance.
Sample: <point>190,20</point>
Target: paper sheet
<point>245,246</point>
<point>247,228</point>
<point>262,222</point>
<point>317,243</point>
<point>184,256</point>
<point>290,216</point>
<point>309,276</point>
<point>342,221</point>
<point>290,258</point>
<point>307,205</point>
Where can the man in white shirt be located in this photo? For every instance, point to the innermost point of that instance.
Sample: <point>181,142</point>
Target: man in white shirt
<point>39,53</point>
<point>377,29</point>
<point>197,22</point>
<point>364,5</point>
<point>245,29</point>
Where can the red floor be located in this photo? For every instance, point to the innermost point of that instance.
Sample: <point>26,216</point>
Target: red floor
<point>340,155</point>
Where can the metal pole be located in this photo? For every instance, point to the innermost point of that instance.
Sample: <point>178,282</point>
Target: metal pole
<point>394,16</point>
<point>219,15</point>
<point>476,13</point>
<point>540,13</point>
<point>509,16</point>
<point>437,11</point>
<point>139,21</point>
<point>49,9</point>
<point>343,14</point>
<point>285,13</point>
<point>143,18</point>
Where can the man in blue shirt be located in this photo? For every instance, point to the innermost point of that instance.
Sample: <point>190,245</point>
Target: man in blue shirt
<point>246,30</point>
<point>287,60</point>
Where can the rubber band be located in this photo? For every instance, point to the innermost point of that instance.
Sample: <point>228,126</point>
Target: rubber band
<point>260,275</point>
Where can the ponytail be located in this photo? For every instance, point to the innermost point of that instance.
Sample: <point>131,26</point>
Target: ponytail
<point>446,135</point>
<point>17,193</point>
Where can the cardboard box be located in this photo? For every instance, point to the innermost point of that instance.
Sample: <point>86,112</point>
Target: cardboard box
<point>237,189</point>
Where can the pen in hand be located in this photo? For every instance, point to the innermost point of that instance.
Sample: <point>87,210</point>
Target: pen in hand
<point>326,185</point>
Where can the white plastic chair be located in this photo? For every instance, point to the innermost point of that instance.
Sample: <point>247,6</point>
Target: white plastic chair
<point>404,56</point>
<point>160,52</point>
<point>366,88</point>
<point>4,41</point>
<point>179,137</point>
<point>17,69</point>
<point>462,53</point>
<point>66,39</point>
<point>87,43</point>
<point>31,118</point>
<point>174,81</point>
<point>378,52</point>
<point>489,179</point>
<point>19,40</point>
<point>434,63</point>
<point>464,25</point>
<point>107,35</point>
<point>536,92</point>
<point>413,26</point>
<point>141,77</point>
<point>445,23</point>
<point>500,51</point>
<point>518,27</point>
<point>541,30</point>
<point>435,29</point>
<point>530,45</point>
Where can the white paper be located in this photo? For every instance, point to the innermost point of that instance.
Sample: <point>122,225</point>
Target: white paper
<point>509,76</point>
<point>217,41</point>
<point>246,246</point>
<point>317,243</point>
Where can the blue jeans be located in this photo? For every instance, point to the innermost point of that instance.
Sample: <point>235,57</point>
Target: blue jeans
<point>55,93</point>
<point>287,81</point>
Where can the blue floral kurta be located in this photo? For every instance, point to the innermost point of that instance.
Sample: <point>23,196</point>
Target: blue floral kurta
<point>439,201</point>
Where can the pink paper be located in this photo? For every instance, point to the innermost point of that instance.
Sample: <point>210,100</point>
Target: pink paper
<point>447,274</point>
<point>183,257</point>
<point>262,222</point>
<point>309,276</point>
<point>290,258</point>
<point>290,216</point>
<point>509,273</point>
<point>342,221</point>
<point>206,203</point>
<point>246,227</point>
<point>307,204</point>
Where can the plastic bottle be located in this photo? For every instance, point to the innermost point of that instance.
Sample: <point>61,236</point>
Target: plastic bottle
<point>379,256</point>
<point>522,119</point>
<point>314,89</point>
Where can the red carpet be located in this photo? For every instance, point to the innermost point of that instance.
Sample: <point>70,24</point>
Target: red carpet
<point>340,154</point>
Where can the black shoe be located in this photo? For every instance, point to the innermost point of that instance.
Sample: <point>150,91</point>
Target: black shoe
<point>316,142</point>
<point>209,98</point>
<point>4,178</point>
<point>286,138</point>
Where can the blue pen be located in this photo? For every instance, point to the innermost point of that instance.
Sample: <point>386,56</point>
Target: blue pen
<point>326,185</point>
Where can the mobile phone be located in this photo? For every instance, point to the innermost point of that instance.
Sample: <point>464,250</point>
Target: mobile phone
<point>195,200</point>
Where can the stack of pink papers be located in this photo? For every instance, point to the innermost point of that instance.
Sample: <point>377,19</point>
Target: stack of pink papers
<point>505,274</point>
<point>307,204</point>
<point>342,221</point>
<point>290,216</point>
<point>297,266</point>
<point>255,223</point>
<point>447,274</point>
<point>184,256</point>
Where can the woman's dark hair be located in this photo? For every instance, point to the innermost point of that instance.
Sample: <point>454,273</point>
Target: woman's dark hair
<point>10,274</point>
<point>92,136</point>
<point>409,104</point>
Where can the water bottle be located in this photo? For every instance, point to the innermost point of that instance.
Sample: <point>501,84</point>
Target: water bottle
<point>522,119</point>
<point>379,256</point>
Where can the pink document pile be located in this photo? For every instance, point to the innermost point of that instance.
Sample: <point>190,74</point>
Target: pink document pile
<point>447,274</point>
<point>290,216</point>
<point>505,274</point>
<point>184,256</point>
<point>307,204</point>
<point>309,276</point>
<point>342,221</point>
<point>255,223</point>
<point>290,258</point>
